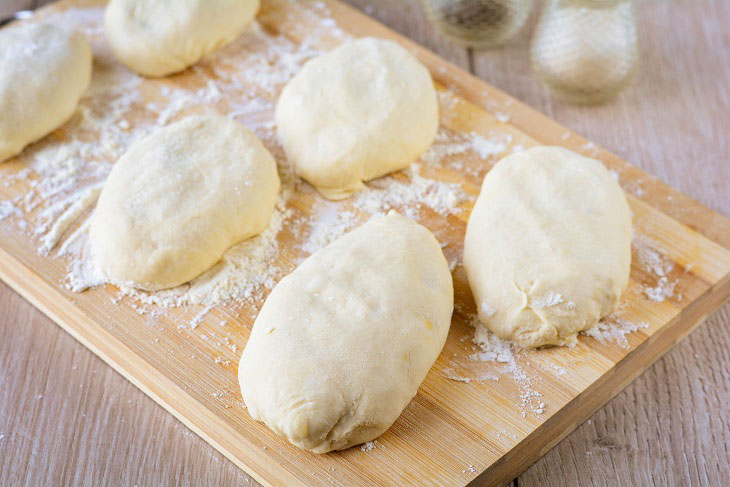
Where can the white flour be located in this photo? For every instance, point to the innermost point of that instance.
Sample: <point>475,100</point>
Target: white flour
<point>451,374</point>
<point>327,224</point>
<point>369,446</point>
<point>614,328</point>
<point>410,197</point>
<point>493,349</point>
<point>448,146</point>
<point>655,263</point>
<point>505,355</point>
<point>8,209</point>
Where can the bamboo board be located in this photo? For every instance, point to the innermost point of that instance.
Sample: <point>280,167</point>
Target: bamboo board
<point>452,432</point>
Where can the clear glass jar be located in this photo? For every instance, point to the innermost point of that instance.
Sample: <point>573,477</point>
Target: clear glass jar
<point>478,23</point>
<point>586,51</point>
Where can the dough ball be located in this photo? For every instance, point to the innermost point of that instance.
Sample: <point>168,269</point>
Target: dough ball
<point>342,344</point>
<point>548,246</point>
<point>161,37</point>
<point>178,198</point>
<point>44,70</point>
<point>363,110</point>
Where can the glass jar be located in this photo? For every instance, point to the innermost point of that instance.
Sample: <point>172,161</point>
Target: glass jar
<point>478,23</point>
<point>586,51</point>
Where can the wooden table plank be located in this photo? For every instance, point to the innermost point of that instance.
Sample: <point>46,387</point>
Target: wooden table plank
<point>143,444</point>
<point>66,418</point>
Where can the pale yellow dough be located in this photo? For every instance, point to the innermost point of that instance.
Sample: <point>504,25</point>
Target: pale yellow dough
<point>178,198</point>
<point>342,344</point>
<point>44,70</point>
<point>360,111</point>
<point>548,246</point>
<point>162,37</point>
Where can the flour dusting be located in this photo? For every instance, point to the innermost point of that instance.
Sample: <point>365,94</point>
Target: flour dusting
<point>654,262</point>
<point>451,374</point>
<point>614,328</point>
<point>448,147</point>
<point>382,195</point>
<point>493,349</point>
<point>369,446</point>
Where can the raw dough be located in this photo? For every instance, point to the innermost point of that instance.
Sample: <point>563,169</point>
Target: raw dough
<point>342,344</point>
<point>161,37</point>
<point>356,113</point>
<point>44,70</point>
<point>548,246</point>
<point>178,198</point>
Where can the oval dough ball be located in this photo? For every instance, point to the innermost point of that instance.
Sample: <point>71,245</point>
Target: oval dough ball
<point>548,246</point>
<point>178,198</point>
<point>44,70</point>
<point>342,344</point>
<point>161,37</point>
<point>363,110</point>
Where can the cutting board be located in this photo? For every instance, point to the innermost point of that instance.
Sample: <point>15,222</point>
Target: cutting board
<point>488,416</point>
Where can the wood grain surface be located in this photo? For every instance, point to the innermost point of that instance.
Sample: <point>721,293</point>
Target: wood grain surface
<point>66,418</point>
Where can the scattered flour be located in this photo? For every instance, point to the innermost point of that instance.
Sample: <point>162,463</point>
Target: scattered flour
<point>81,202</point>
<point>8,209</point>
<point>222,361</point>
<point>199,317</point>
<point>614,328</point>
<point>558,369</point>
<point>408,192</point>
<point>590,148</point>
<point>369,446</point>
<point>490,348</point>
<point>502,117</point>
<point>448,146</point>
<point>384,194</point>
<point>503,433</point>
<point>451,374</point>
<point>651,259</point>
<point>493,349</point>
<point>663,290</point>
<point>654,262</point>
<point>486,148</point>
<point>328,224</point>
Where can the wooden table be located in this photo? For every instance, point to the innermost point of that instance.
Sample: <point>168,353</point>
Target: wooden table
<point>67,418</point>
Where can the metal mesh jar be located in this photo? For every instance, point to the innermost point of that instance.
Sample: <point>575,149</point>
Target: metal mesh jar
<point>586,51</point>
<point>478,23</point>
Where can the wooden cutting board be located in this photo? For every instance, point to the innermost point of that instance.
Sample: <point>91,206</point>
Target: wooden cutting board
<point>471,418</point>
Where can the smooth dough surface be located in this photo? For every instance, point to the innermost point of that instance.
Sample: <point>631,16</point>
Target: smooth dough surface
<point>363,110</point>
<point>44,70</point>
<point>342,344</point>
<point>548,246</point>
<point>161,37</point>
<point>178,198</point>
